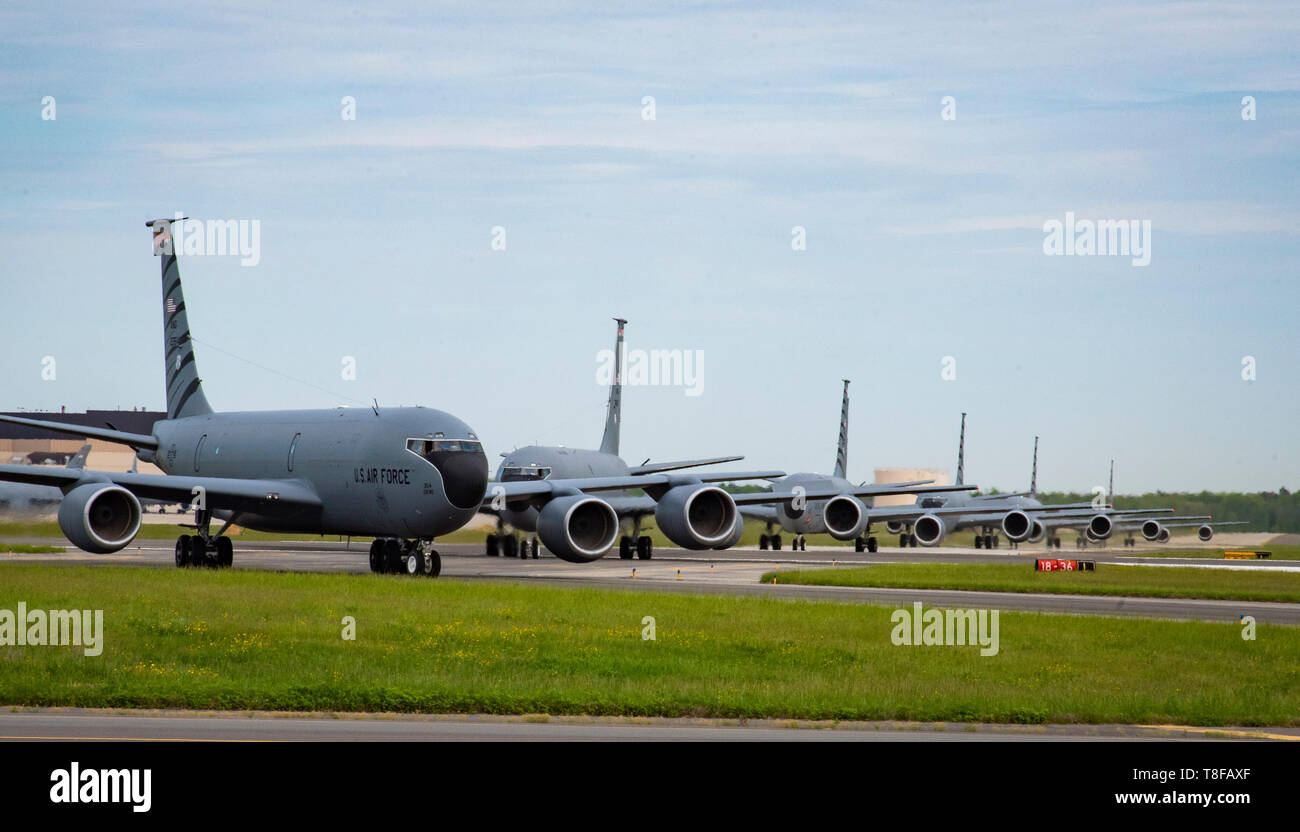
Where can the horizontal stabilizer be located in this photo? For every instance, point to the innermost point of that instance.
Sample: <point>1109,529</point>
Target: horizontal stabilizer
<point>135,440</point>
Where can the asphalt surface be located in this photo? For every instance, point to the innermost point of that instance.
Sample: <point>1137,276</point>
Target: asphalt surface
<point>180,726</point>
<point>735,572</point>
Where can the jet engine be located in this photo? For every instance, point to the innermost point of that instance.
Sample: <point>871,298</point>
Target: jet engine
<point>1017,526</point>
<point>1205,533</point>
<point>1151,530</point>
<point>577,528</point>
<point>845,517</point>
<point>1101,526</point>
<point>929,530</point>
<point>737,530</point>
<point>1037,533</point>
<point>894,526</point>
<point>1164,536</point>
<point>696,516</point>
<point>100,517</point>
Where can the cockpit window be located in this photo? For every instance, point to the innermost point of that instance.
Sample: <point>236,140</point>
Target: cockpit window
<point>427,447</point>
<point>518,473</point>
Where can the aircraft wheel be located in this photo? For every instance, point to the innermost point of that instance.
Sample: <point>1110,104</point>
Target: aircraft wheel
<point>493,546</point>
<point>433,564</point>
<point>183,551</point>
<point>413,561</point>
<point>645,549</point>
<point>873,545</point>
<point>393,556</point>
<point>803,543</point>
<point>776,542</point>
<point>859,545</point>
<point>762,541</point>
<point>979,542</point>
<point>225,552</point>
<point>625,548</point>
<point>535,556</point>
<point>509,545</point>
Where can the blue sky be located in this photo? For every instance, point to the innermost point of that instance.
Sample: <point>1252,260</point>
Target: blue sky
<point>924,234</point>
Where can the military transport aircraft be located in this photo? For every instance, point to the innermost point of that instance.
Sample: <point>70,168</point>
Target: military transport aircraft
<point>403,475</point>
<point>1092,530</point>
<point>818,504</point>
<point>687,507</point>
<point>1022,514</point>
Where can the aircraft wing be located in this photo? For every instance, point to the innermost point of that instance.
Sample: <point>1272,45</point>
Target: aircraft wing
<point>135,440</point>
<point>763,497</point>
<point>219,492</point>
<point>544,490</point>
<point>766,513</point>
<point>657,467</point>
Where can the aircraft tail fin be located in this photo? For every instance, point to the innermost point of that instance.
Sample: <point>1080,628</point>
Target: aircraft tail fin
<point>961,453</point>
<point>842,449</point>
<point>78,460</point>
<point>184,387</point>
<point>613,412</point>
<point>1033,474</point>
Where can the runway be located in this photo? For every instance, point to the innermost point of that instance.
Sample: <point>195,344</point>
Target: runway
<point>731,572</point>
<point>74,725</point>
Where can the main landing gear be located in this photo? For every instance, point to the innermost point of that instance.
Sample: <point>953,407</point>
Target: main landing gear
<point>772,540</point>
<point>987,540</point>
<point>636,544</point>
<point>866,544</point>
<point>391,556</point>
<point>511,546</point>
<point>205,549</point>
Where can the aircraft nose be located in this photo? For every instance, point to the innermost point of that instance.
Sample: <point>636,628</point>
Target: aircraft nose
<point>464,476</point>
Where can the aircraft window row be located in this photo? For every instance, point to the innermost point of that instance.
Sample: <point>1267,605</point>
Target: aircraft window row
<point>424,447</point>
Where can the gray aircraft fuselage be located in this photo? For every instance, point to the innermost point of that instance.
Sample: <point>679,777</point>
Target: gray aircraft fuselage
<point>556,463</point>
<point>356,461</point>
<point>811,520</point>
<point>962,498</point>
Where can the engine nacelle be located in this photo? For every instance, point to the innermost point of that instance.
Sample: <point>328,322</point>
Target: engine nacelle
<point>894,526</point>
<point>1017,526</point>
<point>100,517</point>
<point>1037,532</point>
<point>736,532</point>
<point>1101,526</point>
<point>1151,530</point>
<point>845,517</point>
<point>1205,533</point>
<point>578,528</point>
<point>929,530</point>
<point>1164,536</point>
<point>696,516</point>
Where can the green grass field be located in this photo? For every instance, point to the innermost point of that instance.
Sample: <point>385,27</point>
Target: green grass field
<point>233,640</point>
<point>1150,581</point>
